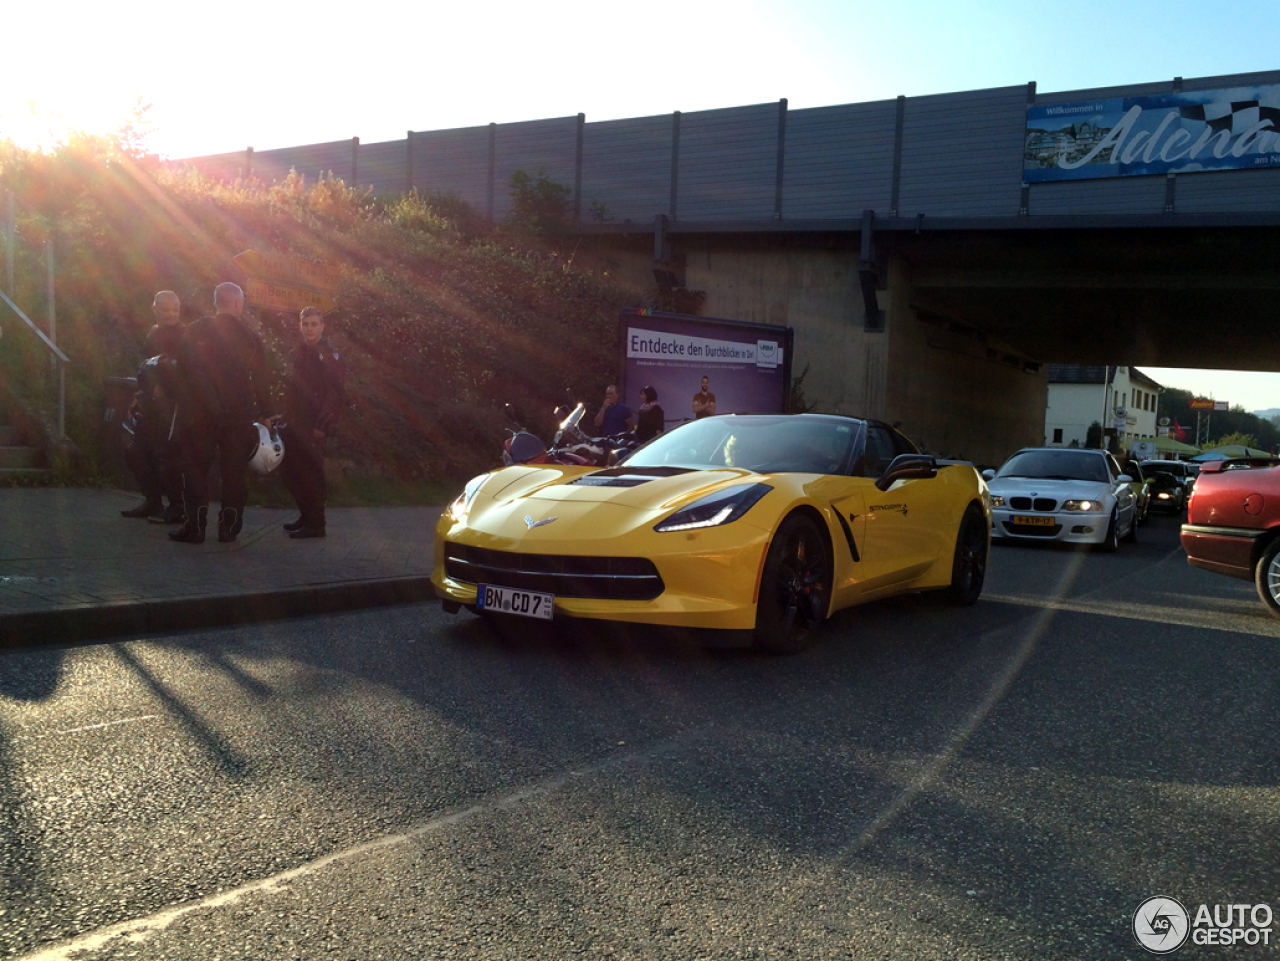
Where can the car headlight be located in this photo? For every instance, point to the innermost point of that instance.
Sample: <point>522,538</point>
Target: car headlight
<point>997,500</point>
<point>1163,495</point>
<point>1084,506</point>
<point>462,503</point>
<point>722,507</point>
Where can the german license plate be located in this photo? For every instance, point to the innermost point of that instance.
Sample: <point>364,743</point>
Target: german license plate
<point>510,600</point>
<point>1023,521</point>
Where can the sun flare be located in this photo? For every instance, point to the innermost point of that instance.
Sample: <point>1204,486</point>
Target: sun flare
<point>35,124</point>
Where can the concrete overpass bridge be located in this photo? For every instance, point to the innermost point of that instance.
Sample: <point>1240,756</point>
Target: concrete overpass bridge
<point>933,254</point>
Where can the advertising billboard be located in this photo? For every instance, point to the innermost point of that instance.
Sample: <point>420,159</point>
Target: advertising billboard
<point>1232,129</point>
<point>747,366</point>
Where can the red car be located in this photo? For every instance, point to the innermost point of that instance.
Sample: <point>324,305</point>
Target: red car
<point>1233,523</point>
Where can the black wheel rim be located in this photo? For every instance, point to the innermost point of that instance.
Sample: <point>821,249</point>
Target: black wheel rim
<point>971,558</point>
<point>801,584</point>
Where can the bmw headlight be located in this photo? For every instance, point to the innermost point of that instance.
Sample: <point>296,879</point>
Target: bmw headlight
<point>1087,507</point>
<point>722,507</point>
<point>997,500</point>
<point>462,504</point>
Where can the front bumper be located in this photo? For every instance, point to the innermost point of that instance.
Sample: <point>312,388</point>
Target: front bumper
<point>708,577</point>
<point>1070,527</point>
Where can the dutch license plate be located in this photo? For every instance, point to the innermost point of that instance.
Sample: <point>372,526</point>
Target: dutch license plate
<point>510,600</point>
<point>1032,521</point>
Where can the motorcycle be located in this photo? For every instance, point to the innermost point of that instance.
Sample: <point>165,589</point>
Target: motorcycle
<point>599,451</point>
<point>525,447</point>
<point>571,445</point>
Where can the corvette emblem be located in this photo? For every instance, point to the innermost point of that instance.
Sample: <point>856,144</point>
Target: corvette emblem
<point>532,523</point>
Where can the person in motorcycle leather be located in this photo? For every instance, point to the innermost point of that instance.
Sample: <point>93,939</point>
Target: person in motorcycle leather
<point>151,451</point>
<point>313,401</point>
<point>223,369</point>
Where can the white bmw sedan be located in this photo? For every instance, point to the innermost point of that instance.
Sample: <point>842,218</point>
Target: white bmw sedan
<point>1063,494</point>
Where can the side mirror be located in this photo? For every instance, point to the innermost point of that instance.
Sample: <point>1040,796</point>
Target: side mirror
<point>1124,479</point>
<point>907,467</point>
<point>988,474</point>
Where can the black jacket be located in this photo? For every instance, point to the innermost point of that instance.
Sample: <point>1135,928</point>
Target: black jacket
<point>163,340</point>
<point>224,371</point>
<point>650,423</point>
<point>316,393</point>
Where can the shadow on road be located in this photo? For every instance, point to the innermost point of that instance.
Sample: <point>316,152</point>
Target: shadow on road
<point>227,758</point>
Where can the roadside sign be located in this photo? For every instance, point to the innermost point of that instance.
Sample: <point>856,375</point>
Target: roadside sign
<point>1204,403</point>
<point>289,270</point>
<point>262,293</point>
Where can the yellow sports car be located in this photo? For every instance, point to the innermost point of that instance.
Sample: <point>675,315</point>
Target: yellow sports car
<point>766,523</point>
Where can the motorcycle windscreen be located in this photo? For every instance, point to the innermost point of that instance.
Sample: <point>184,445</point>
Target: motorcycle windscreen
<point>525,447</point>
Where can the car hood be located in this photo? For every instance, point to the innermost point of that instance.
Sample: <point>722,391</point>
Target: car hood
<point>643,489</point>
<point>1035,486</point>
<point>554,508</point>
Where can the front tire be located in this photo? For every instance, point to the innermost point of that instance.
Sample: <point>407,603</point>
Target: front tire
<point>1266,578</point>
<point>969,566</point>
<point>1111,543</point>
<point>1132,536</point>
<point>795,587</point>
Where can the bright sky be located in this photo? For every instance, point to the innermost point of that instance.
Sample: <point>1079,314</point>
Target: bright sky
<point>273,74</point>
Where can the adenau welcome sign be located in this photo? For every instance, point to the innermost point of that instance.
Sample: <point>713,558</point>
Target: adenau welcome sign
<point>747,366</point>
<point>1231,129</point>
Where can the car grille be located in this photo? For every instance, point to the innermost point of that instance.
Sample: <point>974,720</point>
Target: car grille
<point>1039,504</point>
<point>615,578</point>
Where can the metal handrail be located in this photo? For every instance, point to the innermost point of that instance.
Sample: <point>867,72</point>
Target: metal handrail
<point>62,358</point>
<point>44,338</point>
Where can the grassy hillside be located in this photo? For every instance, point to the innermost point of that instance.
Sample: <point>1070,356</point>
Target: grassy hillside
<point>441,317</point>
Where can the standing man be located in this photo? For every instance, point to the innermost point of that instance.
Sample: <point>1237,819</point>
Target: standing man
<point>223,369</point>
<point>153,455</point>
<point>704,404</point>
<point>614,418</point>
<point>312,404</point>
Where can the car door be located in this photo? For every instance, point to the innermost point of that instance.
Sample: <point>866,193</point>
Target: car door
<point>1126,501</point>
<point>1142,496</point>
<point>902,534</point>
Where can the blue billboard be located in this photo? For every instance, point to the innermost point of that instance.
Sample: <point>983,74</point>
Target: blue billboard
<point>1233,129</point>
<point>704,365</point>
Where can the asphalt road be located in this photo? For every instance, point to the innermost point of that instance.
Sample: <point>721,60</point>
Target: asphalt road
<point>1005,781</point>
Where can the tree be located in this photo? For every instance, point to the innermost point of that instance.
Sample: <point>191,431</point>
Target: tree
<point>1093,436</point>
<point>538,204</point>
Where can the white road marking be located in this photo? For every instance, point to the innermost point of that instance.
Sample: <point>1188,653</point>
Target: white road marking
<point>87,727</point>
<point>1234,623</point>
<point>142,929</point>
<point>123,720</point>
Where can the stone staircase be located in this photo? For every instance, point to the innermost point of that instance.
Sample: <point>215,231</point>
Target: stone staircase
<point>18,462</point>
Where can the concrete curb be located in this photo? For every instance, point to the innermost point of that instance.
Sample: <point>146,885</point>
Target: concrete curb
<point>84,622</point>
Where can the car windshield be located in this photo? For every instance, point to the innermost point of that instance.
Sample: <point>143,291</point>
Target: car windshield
<point>1056,465</point>
<point>765,444</point>
<point>1175,470</point>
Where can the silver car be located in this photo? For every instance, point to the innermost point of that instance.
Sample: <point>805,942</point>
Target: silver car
<point>1063,494</point>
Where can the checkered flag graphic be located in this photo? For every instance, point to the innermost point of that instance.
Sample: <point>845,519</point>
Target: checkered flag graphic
<point>1235,117</point>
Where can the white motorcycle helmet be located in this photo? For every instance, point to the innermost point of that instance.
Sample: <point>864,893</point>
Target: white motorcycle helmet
<point>268,450</point>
